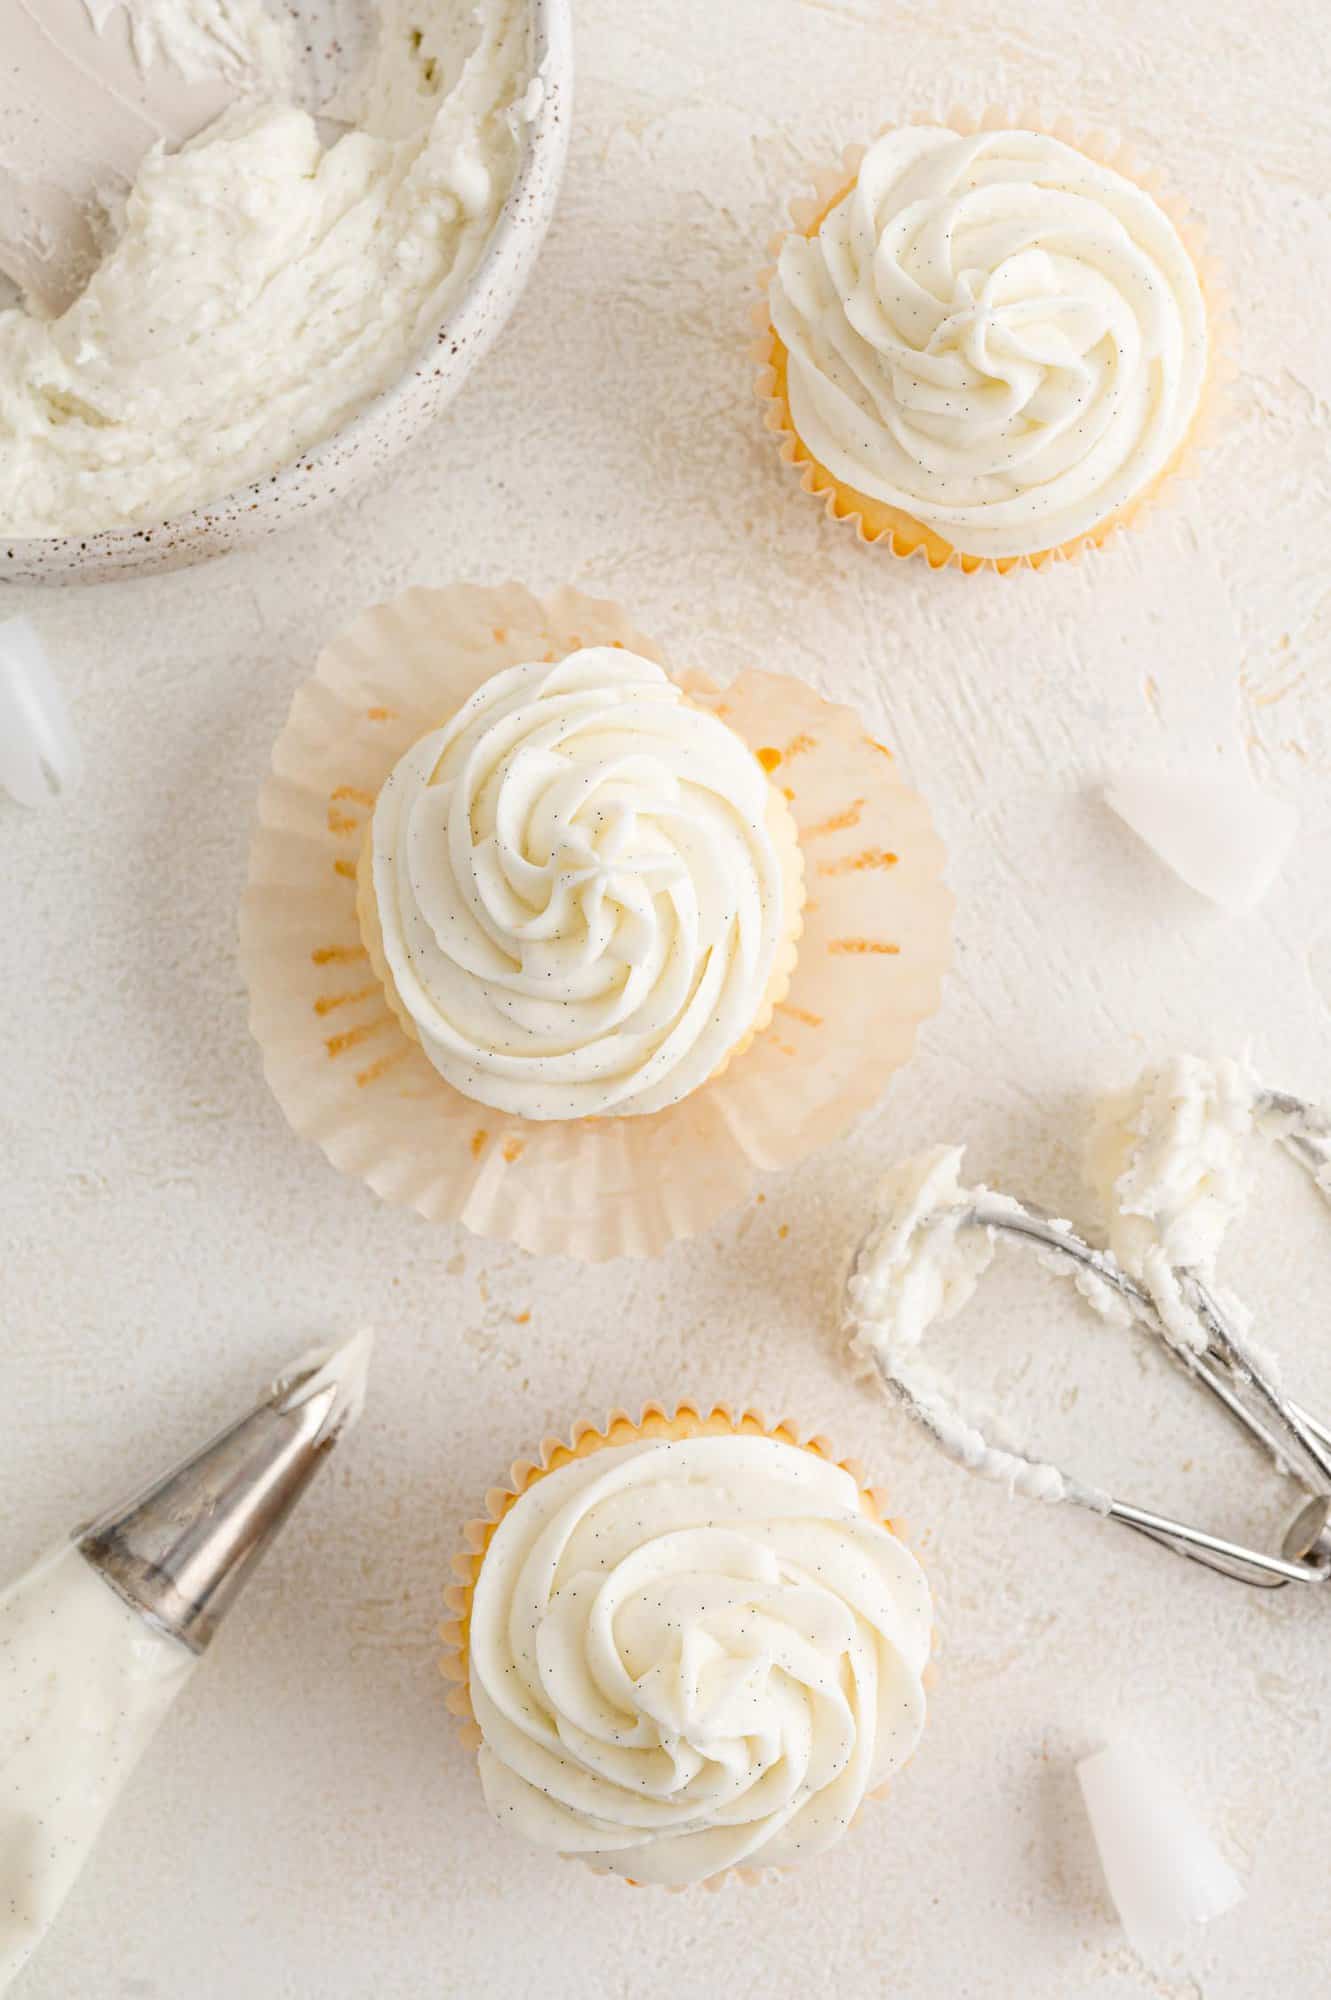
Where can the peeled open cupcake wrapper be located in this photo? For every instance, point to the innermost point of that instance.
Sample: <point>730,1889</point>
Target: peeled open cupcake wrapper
<point>898,531</point>
<point>656,1421</point>
<point>874,946</point>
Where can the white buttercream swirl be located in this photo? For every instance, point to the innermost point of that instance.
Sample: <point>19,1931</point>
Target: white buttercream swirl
<point>690,1656</point>
<point>578,889</point>
<point>1001,337</point>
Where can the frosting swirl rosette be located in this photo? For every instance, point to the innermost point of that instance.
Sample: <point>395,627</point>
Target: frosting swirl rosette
<point>1000,337</point>
<point>691,1655</point>
<point>580,889</point>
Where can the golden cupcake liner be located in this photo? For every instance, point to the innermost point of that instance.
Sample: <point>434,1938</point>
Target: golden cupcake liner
<point>879,524</point>
<point>868,969</point>
<point>686,1420</point>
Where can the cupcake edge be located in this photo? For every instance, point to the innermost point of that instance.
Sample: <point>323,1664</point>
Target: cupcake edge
<point>874,521</point>
<point>656,1421</point>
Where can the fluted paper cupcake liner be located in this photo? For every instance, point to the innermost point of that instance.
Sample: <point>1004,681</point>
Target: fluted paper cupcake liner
<point>869,966</point>
<point>881,525</point>
<point>685,1420</point>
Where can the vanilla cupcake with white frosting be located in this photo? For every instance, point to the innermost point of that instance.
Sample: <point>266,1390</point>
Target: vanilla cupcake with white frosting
<point>581,892</point>
<point>991,346</point>
<point>525,930</point>
<point>686,1646</point>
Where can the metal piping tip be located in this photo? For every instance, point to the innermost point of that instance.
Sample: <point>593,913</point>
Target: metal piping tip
<point>182,1550</point>
<point>334,1375</point>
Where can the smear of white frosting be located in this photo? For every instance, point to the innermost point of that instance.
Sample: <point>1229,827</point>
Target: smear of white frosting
<point>578,889</point>
<point>687,1657</point>
<point>238,39</point>
<point>262,288</point>
<point>998,335</point>
<point>87,89</point>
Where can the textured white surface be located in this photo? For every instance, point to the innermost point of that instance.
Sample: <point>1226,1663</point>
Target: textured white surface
<point>306,1824</point>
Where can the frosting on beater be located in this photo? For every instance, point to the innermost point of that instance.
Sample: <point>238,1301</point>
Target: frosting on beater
<point>998,335</point>
<point>1166,1158</point>
<point>920,1263</point>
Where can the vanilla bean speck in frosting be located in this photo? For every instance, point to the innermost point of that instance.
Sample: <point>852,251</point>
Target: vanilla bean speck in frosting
<point>578,889</point>
<point>686,1656</point>
<point>997,335</point>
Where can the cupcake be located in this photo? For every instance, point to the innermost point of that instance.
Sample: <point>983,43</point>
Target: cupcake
<point>581,893</point>
<point>526,933</point>
<point>685,1646</point>
<point>991,346</point>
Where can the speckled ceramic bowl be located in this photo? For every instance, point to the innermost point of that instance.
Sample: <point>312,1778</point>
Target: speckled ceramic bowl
<point>388,423</point>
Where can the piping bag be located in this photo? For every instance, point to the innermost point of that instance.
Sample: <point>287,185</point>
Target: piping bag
<point>97,1640</point>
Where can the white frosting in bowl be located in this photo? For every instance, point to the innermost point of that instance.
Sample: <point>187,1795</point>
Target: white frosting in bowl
<point>259,288</point>
<point>686,1657</point>
<point>578,890</point>
<point>998,335</point>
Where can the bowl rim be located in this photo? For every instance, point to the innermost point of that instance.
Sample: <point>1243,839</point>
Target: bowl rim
<point>545,140</point>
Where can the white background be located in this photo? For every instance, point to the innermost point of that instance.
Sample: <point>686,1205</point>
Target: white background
<point>307,1825</point>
